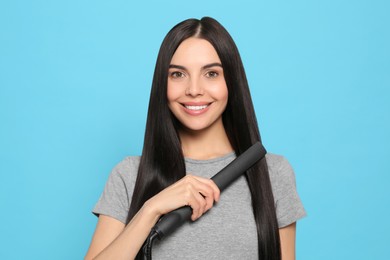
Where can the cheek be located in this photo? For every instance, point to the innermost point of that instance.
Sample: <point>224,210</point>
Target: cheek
<point>220,92</point>
<point>175,89</point>
<point>225,94</point>
<point>171,93</point>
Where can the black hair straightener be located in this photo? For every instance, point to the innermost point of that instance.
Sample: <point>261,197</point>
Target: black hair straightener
<point>174,219</point>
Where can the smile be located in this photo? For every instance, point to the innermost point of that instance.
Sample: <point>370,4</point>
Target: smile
<point>196,108</point>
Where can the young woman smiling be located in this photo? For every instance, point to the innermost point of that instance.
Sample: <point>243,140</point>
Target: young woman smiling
<point>200,118</point>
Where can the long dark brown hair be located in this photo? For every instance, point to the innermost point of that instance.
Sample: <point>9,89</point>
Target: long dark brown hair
<point>162,160</point>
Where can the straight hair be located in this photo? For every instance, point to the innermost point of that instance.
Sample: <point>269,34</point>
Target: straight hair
<point>162,161</point>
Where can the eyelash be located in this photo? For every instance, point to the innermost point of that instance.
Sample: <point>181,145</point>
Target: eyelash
<point>215,74</point>
<point>179,74</point>
<point>176,74</point>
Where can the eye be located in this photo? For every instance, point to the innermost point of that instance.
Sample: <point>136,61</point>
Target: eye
<point>212,74</point>
<point>176,74</point>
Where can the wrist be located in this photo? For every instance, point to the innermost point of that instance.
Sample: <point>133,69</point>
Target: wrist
<point>151,210</point>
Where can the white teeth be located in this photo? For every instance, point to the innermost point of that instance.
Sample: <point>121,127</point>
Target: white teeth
<point>196,107</point>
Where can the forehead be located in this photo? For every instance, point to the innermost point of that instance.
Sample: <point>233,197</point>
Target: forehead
<point>193,51</point>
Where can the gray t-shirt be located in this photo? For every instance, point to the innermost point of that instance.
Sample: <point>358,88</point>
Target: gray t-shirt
<point>226,231</point>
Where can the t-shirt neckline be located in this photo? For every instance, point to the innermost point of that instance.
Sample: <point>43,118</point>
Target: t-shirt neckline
<point>216,159</point>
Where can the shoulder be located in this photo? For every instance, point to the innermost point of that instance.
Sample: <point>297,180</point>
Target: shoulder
<point>289,207</point>
<point>277,164</point>
<point>115,199</point>
<point>126,170</point>
<point>127,164</point>
<point>281,173</point>
<point>275,161</point>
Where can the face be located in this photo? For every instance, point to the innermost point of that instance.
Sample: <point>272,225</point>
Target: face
<point>197,92</point>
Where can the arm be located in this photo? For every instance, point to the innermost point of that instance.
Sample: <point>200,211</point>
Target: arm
<point>287,241</point>
<point>113,240</point>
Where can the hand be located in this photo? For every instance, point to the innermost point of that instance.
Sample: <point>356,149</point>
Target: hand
<point>197,192</point>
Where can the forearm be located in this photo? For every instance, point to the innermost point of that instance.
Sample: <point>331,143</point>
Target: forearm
<point>114,240</point>
<point>129,242</point>
<point>287,241</point>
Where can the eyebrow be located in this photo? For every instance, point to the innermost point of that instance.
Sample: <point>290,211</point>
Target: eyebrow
<point>207,66</point>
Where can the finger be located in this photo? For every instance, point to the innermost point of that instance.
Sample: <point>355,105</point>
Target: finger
<point>209,202</point>
<point>191,201</point>
<point>196,209</point>
<point>201,205</point>
<point>200,185</point>
<point>199,194</point>
<point>211,184</point>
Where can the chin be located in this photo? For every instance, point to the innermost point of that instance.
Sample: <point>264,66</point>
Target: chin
<point>200,127</point>
<point>191,128</point>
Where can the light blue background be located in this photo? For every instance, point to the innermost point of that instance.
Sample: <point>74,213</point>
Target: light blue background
<point>75,78</point>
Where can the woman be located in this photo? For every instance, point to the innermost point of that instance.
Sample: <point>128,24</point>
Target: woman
<point>200,118</point>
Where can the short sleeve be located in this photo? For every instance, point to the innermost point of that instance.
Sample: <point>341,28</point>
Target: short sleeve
<point>116,197</point>
<point>289,207</point>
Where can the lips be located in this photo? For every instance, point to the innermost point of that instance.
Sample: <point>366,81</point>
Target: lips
<point>196,108</point>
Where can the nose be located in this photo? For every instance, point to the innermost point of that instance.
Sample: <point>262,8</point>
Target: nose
<point>194,88</point>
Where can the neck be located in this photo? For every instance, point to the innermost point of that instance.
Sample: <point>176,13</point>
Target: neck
<point>205,144</point>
